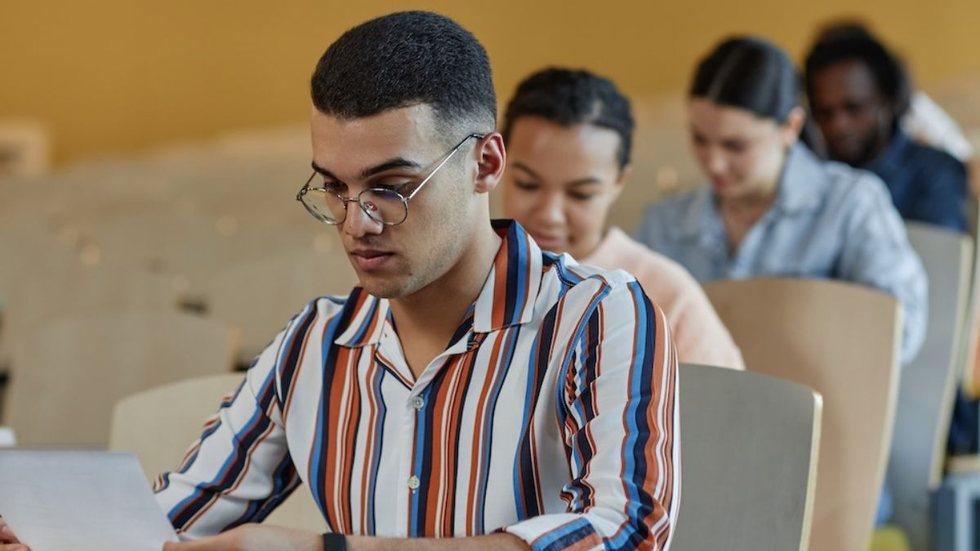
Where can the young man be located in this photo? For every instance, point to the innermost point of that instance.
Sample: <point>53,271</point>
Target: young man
<point>858,92</point>
<point>568,135</point>
<point>473,392</point>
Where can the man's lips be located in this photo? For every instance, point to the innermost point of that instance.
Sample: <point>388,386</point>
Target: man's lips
<point>370,259</point>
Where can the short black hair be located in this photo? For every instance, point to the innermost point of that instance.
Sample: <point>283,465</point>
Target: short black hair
<point>403,59</point>
<point>860,45</point>
<point>748,73</point>
<point>573,96</point>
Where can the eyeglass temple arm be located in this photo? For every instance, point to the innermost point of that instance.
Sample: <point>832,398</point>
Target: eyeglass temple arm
<point>444,161</point>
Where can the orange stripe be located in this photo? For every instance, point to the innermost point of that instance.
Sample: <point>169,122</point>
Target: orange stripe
<point>466,363</point>
<point>349,433</point>
<point>330,451</point>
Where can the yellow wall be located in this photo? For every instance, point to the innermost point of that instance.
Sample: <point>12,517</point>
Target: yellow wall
<point>121,75</point>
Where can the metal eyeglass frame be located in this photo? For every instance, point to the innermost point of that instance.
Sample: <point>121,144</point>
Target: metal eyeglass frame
<point>347,200</point>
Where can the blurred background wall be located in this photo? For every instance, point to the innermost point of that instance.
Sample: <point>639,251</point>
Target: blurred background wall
<point>117,76</point>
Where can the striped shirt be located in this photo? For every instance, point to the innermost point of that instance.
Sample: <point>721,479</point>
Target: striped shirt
<point>552,415</point>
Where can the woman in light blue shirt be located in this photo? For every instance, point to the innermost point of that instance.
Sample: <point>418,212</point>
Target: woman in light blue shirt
<point>771,208</point>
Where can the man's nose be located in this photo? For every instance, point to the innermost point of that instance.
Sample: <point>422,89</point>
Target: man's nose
<point>358,223</point>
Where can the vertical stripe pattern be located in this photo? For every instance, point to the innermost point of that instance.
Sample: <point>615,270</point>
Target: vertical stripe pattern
<point>551,415</point>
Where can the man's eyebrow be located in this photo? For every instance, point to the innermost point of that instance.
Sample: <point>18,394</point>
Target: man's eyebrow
<point>324,172</point>
<point>397,162</point>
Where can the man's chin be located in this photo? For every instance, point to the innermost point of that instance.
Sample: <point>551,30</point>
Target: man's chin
<point>848,155</point>
<point>381,288</point>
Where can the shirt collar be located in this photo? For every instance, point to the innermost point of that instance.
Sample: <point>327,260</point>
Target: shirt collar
<point>891,158</point>
<point>364,317</point>
<point>512,286</point>
<point>507,297</point>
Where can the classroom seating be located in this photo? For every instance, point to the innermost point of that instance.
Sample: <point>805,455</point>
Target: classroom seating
<point>160,441</point>
<point>841,340</point>
<point>928,384</point>
<point>69,372</point>
<point>750,444</point>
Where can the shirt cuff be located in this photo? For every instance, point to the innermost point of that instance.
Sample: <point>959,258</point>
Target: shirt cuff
<point>556,531</point>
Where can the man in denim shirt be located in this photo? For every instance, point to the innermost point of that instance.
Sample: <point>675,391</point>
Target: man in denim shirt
<point>858,92</point>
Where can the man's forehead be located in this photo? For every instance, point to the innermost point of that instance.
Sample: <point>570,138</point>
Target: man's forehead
<point>848,75</point>
<point>402,132</point>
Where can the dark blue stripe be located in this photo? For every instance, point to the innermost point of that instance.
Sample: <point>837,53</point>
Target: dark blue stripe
<point>640,502</point>
<point>565,536</point>
<point>421,466</point>
<point>297,330</point>
<point>510,345</point>
<point>284,481</point>
<point>246,439</point>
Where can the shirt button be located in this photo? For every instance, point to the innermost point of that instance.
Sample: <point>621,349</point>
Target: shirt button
<point>413,483</point>
<point>418,402</point>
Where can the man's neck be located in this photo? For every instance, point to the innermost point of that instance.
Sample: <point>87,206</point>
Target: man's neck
<point>428,318</point>
<point>875,150</point>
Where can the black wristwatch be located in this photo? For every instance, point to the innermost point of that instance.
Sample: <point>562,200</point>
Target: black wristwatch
<point>334,542</point>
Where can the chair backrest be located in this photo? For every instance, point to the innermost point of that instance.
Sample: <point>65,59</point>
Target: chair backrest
<point>842,341</point>
<point>68,373</point>
<point>159,424</point>
<point>259,296</point>
<point>928,384</point>
<point>970,344</point>
<point>750,444</point>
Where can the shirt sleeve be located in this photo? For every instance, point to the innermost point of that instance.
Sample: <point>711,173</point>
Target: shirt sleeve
<point>239,470</point>
<point>619,420</point>
<point>877,253</point>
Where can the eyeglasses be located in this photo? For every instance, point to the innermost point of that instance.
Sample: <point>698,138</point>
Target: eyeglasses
<point>384,205</point>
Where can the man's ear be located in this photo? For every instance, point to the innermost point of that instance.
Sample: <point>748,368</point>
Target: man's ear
<point>491,157</point>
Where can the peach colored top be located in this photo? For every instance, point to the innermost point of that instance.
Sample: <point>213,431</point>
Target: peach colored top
<point>699,334</point>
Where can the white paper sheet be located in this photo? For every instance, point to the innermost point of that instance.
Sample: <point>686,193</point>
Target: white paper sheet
<point>80,501</point>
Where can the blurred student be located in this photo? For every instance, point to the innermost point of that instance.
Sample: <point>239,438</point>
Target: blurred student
<point>771,207</point>
<point>924,120</point>
<point>858,93</point>
<point>569,135</point>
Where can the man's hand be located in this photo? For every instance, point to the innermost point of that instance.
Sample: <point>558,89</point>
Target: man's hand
<point>251,537</point>
<point>8,541</point>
